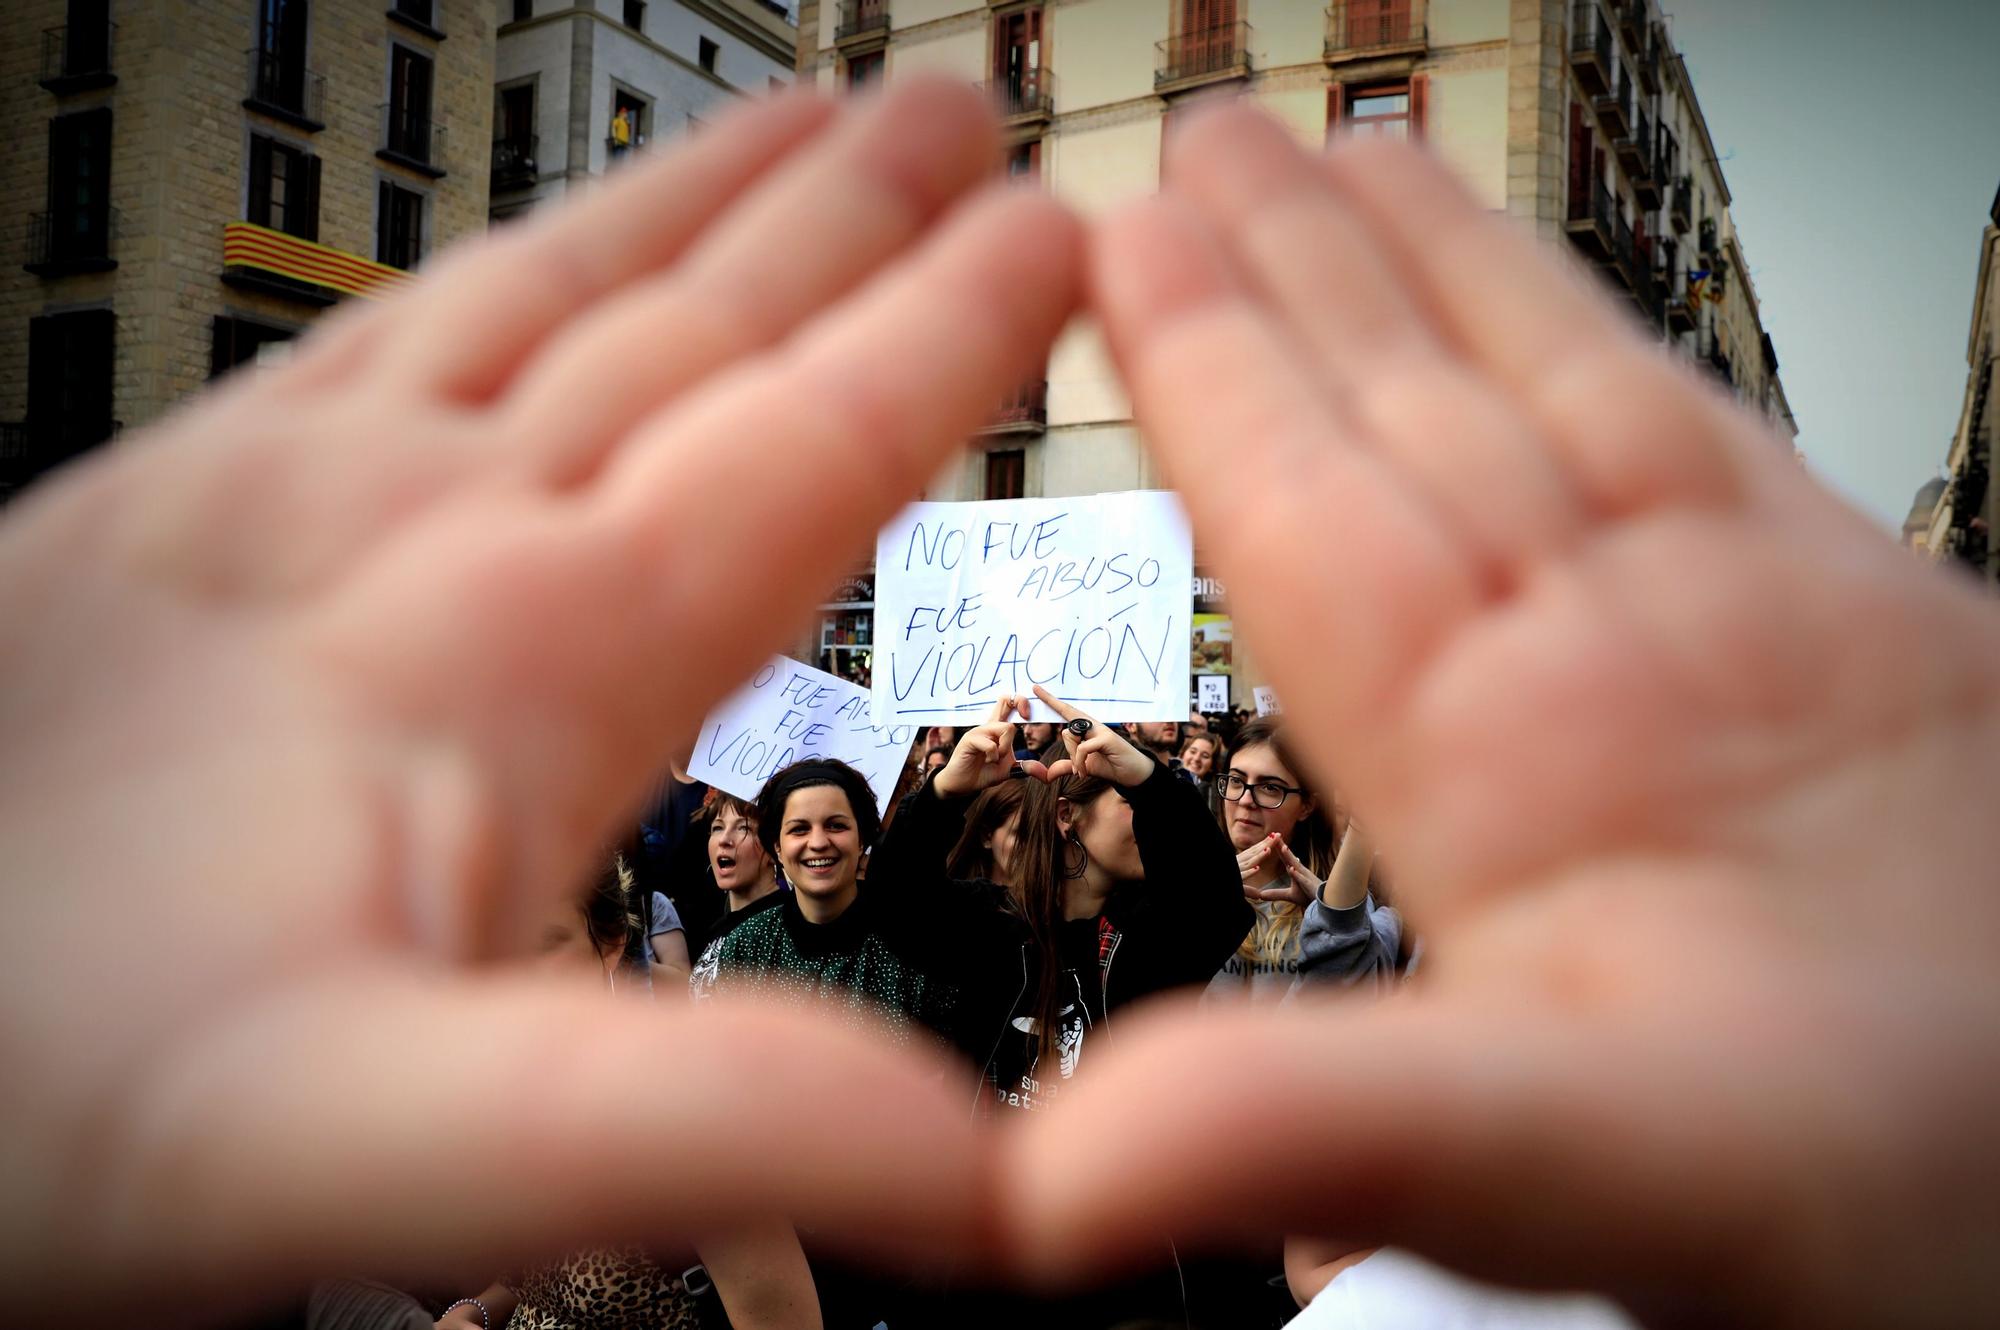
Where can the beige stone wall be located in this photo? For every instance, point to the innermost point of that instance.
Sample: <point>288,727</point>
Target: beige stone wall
<point>179,164</point>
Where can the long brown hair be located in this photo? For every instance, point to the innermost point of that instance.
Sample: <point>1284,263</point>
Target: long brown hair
<point>972,857</point>
<point>1044,860</point>
<point>1312,841</point>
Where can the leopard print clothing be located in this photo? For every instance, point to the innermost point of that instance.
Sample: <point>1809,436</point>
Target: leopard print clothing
<point>603,1290</point>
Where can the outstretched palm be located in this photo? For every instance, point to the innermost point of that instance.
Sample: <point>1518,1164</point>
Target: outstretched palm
<point>1630,703</point>
<point>351,671</point>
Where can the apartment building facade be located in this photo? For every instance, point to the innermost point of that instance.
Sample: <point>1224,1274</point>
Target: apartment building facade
<point>1965,509</point>
<point>583,85</point>
<point>201,178</point>
<point>1573,115</point>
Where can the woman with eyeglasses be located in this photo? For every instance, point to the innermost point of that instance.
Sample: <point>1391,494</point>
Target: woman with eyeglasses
<point>1313,907</point>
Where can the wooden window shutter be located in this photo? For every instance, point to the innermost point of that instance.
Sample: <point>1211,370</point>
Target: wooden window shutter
<point>260,180</point>
<point>310,213</point>
<point>1420,100</point>
<point>1336,102</point>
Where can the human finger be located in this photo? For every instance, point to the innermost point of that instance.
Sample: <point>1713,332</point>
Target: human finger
<point>216,1201</point>
<point>1631,429</point>
<point>1494,1138</point>
<point>1060,707</point>
<point>871,185</point>
<point>483,311</point>
<point>478,623</point>
<point>1204,361</point>
<point>1373,350</point>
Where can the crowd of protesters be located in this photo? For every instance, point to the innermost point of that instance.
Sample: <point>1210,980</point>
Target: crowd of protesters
<point>1031,881</point>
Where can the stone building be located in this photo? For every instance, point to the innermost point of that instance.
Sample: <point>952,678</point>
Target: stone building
<point>199,178</point>
<point>1576,116</point>
<point>582,84</point>
<point>1969,509</point>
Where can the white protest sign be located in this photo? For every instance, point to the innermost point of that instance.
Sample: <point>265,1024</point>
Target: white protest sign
<point>1213,692</point>
<point>788,712</point>
<point>1267,702</point>
<point>1088,597</point>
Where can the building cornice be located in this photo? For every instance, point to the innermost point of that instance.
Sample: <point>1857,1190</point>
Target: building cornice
<point>1685,82</point>
<point>671,56</point>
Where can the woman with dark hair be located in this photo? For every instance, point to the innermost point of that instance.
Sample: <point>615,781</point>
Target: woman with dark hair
<point>738,868</point>
<point>829,942</point>
<point>1121,886</point>
<point>985,852</point>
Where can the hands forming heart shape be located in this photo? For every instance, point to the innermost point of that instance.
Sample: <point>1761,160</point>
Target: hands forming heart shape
<point>315,694</point>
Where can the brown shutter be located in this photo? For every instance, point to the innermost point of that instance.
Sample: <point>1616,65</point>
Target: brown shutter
<point>1420,98</point>
<point>309,230</point>
<point>1336,100</point>
<point>260,180</point>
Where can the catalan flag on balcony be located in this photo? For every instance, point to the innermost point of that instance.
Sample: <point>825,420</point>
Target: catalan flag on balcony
<point>1697,285</point>
<point>246,245</point>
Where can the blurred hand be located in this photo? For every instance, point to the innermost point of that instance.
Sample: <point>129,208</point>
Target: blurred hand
<point>342,673</point>
<point>1687,774</point>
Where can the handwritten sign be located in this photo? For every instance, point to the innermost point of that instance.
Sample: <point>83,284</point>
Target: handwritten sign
<point>1212,692</point>
<point>1088,597</point>
<point>788,712</point>
<point>1267,702</point>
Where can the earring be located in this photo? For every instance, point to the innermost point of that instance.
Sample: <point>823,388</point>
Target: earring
<point>1082,857</point>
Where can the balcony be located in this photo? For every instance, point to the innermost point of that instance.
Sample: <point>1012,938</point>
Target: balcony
<point>1681,311</point>
<point>1706,245</point>
<point>1023,411</point>
<point>1366,29</point>
<point>1680,208</point>
<point>1590,48</point>
<point>1635,154</point>
<point>1631,21</point>
<point>65,244</point>
<point>257,258</point>
<point>1624,253</point>
<point>1194,58</point>
<point>514,162</point>
<point>412,139</point>
<point>1614,108</point>
<point>1590,218</point>
<point>1024,96</point>
<point>30,447</point>
<point>285,90</point>
<point>861,19</point>
<point>1649,61</point>
<point>77,58</point>
<point>1712,352</point>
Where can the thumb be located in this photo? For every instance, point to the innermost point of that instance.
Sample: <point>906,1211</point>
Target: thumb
<point>326,1130</point>
<point>1508,1144</point>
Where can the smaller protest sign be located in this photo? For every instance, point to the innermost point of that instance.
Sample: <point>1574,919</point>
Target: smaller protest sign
<point>788,712</point>
<point>1267,702</point>
<point>1212,692</point>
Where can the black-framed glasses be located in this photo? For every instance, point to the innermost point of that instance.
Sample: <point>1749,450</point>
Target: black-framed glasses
<point>1263,793</point>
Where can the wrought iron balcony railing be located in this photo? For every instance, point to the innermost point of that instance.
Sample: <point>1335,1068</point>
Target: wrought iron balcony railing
<point>1222,52</point>
<point>77,57</point>
<point>1356,28</point>
<point>286,89</point>
<point>412,137</point>
<point>861,17</point>
<point>514,161</point>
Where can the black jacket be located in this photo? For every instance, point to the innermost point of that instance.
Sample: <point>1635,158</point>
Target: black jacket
<point>1174,929</point>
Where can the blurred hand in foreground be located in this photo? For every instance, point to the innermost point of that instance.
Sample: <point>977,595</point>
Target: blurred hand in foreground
<point>1686,772</point>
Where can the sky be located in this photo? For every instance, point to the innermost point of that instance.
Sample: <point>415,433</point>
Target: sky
<point>1861,143</point>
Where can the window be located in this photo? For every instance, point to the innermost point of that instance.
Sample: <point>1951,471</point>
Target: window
<point>707,52</point>
<point>1024,160</point>
<point>409,129</point>
<point>864,69</point>
<point>69,381</point>
<point>399,225</point>
<point>417,11</point>
<point>1006,474</point>
<point>635,15</point>
<point>523,10</point>
<point>1386,110</point>
<point>284,188</point>
<point>86,47</point>
<point>280,75</point>
<point>79,222</point>
<point>1017,59</point>
<point>234,342</point>
<point>631,122</point>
